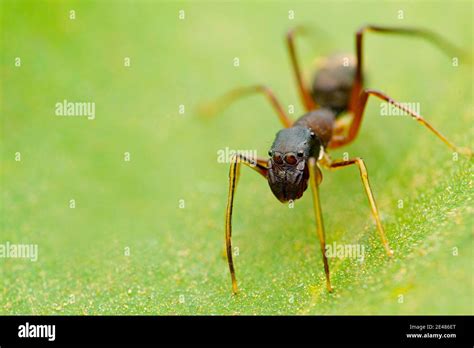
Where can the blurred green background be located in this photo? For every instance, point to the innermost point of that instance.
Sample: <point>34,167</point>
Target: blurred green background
<point>176,263</point>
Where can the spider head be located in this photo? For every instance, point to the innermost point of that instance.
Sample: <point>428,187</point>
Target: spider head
<point>288,172</point>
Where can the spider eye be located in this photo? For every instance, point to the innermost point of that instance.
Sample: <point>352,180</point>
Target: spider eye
<point>290,159</point>
<point>312,134</point>
<point>300,153</point>
<point>270,153</point>
<point>277,158</point>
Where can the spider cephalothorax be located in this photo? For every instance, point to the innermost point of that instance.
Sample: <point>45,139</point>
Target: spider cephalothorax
<point>287,167</point>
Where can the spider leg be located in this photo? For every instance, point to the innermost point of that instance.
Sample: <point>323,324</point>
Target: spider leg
<point>260,166</point>
<point>305,96</point>
<point>359,111</point>
<point>425,34</point>
<point>210,109</point>
<point>359,96</point>
<point>337,164</point>
<point>315,179</point>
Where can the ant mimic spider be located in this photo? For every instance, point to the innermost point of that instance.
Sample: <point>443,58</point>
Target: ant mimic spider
<point>300,149</point>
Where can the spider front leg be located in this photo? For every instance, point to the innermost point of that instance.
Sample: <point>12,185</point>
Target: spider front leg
<point>260,166</point>
<point>337,164</point>
<point>315,179</point>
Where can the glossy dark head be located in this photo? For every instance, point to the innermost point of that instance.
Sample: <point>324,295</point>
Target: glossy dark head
<point>287,167</point>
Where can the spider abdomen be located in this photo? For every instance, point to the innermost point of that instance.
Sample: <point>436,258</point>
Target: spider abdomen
<point>332,83</point>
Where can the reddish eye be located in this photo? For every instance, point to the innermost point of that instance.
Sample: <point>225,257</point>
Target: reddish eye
<point>290,159</point>
<point>277,158</point>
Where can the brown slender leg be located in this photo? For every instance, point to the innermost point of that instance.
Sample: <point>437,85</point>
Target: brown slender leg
<point>359,111</point>
<point>328,163</point>
<point>224,101</point>
<point>258,165</point>
<point>305,96</point>
<point>315,179</point>
<point>427,35</point>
